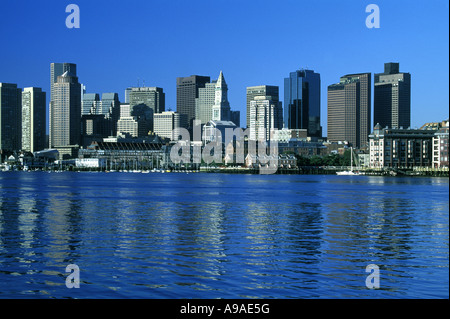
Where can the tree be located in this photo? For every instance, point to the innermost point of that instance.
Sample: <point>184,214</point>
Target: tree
<point>316,161</point>
<point>345,160</point>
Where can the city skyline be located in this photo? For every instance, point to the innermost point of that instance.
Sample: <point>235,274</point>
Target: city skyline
<point>106,70</point>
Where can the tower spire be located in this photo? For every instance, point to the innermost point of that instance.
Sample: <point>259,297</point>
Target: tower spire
<point>221,108</point>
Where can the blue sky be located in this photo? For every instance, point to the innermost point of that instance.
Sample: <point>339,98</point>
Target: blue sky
<point>253,42</point>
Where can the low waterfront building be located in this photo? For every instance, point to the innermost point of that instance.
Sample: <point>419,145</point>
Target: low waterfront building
<point>128,153</point>
<point>287,161</point>
<point>67,151</point>
<point>400,148</point>
<point>90,162</point>
<point>440,147</point>
<point>212,128</point>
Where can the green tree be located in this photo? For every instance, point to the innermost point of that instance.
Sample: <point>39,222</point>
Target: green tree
<point>316,161</point>
<point>345,160</point>
<point>303,160</point>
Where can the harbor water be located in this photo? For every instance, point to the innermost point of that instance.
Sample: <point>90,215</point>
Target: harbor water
<point>207,235</point>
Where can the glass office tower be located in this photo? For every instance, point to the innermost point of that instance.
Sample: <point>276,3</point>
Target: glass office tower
<point>302,102</point>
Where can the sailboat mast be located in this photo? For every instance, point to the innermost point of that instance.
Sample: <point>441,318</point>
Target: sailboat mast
<point>351,158</point>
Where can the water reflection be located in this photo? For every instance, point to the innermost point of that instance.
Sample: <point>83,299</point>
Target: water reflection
<point>219,236</point>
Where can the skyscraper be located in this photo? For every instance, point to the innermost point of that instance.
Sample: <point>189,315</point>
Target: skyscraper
<point>33,119</point>
<point>90,103</point>
<point>392,97</point>
<point>65,111</point>
<point>10,117</point>
<point>144,103</point>
<point>349,109</point>
<point>129,124</point>
<point>221,109</point>
<point>127,94</point>
<point>57,69</point>
<point>302,102</point>
<point>187,92</point>
<point>235,117</point>
<point>205,101</point>
<point>153,97</point>
<point>167,124</point>
<point>260,90</point>
<point>266,115</point>
<point>110,107</point>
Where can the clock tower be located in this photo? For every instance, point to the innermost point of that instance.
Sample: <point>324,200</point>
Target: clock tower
<point>221,108</point>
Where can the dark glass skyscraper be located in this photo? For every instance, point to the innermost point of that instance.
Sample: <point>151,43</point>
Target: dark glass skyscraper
<point>302,102</point>
<point>392,97</point>
<point>187,92</point>
<point>10,117</point>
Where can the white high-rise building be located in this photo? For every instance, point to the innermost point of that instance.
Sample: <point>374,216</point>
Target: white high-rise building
<point>266,115</point>
<point>167,124</point>
<point>33,119</point>
<point>127,124</point>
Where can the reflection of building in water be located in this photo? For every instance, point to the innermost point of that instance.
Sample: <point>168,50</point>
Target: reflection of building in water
<point>202,225</point>
<point>27,220</point>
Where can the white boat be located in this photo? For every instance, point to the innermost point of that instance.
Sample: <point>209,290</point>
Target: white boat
<point>350,172</point>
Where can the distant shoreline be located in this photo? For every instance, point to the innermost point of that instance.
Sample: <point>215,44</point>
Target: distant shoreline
<point>255,171</point>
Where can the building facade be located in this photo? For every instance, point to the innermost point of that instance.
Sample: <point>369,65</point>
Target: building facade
<point>205,101</point>
<point>58,69</point>
<point>302,102</point>
<point>65,111</point>
<point>221,109</point>
<point>152,97</point>
<point>348,107</point>
<point>90,103</point>
<point>33,119</point>
<point>400,148</point>
<point>392,97</point>
<point>266,116</point>
<point>260,90</point>
<point>10,117</point>
<point>187,93</point>
<point>130,125</point>
<point>167,125</point>
<point>440,148</point>
<point>216,131</point>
